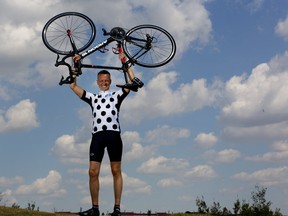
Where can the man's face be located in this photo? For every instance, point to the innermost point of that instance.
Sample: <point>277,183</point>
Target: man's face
<point>104,82</point>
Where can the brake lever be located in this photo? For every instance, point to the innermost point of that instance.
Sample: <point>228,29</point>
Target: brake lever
<point>67,80</point>
<point>75,70</point>
<point>62,62</point>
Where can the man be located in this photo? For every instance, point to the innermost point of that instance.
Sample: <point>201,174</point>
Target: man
<point>105,133</point>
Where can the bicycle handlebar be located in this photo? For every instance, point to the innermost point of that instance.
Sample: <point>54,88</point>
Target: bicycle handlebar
<point>73,70</point>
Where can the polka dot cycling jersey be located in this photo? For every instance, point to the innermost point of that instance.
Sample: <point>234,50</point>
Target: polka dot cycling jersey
<point>105,109</point>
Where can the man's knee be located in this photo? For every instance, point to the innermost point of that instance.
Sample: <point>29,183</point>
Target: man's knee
<point>93,173</point>
<point>116,169</point>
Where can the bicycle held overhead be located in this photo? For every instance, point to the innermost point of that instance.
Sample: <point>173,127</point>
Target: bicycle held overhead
<point>71,33</point>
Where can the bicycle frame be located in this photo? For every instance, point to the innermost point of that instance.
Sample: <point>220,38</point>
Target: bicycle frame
<point>98,47</point>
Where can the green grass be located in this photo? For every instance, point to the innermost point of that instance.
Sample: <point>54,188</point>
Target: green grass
<point>9,211</point>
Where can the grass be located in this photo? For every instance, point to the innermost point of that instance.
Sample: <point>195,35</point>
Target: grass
<point>9,211</point>
<point>194,214</point>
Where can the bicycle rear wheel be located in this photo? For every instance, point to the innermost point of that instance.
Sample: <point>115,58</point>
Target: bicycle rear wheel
<point>149,45</point>
<point>80,27</point>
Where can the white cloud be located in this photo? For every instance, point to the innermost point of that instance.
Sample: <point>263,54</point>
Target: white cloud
<point>135,185</point>
<point>255,105</point>
<point>257,133</point>
<point>162,164</point>
<point>158,99</point>
<point>166,135</point>
<point>69,151</point>
<point>78,171</point>
<point>201,172</point>
<point>260,98</point>
<point>7,197</point>
<point>188,20</point>
<point>49,185</point>
<point>280,153</point>
<point>168,182</point>
<point>21,38</point>
<point>131,137</point>
<point>134,150</point>
<point>266,177</point>
<point>281,28</point>
<point>20,117</point>
<point>223,156</point>
<point>205,140</point>
<point>133,182</point>
<point>4,181</point>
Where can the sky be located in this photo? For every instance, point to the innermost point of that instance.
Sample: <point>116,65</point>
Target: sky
<point>212,123</point>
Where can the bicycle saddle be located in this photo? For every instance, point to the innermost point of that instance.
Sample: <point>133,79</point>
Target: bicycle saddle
<point>117,33</point>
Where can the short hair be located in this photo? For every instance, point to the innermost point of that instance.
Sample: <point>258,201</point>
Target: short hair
<point>103,72</point>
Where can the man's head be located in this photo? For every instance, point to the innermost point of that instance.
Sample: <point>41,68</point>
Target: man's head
<point>103,80</point>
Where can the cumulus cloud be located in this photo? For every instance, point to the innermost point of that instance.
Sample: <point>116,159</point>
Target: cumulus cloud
<point>158,98</point>
<point>20,117</point>
<point>255,104</point>
<point>163,165</point>
<point>279,153</point>
<point>259,98</point>
<point>7,197</point>
<point>168,182</point>
<point>205,140</point>
<point>257,133</point>
<point>281,28</point>
<point>266,177</point>
<point>21,38</point>
<point>134,185</point>
<point>223,156</point>
<point>49,185</point>
<point>201,172</point>
<point>192,18</point>
<point>4,181</point>
<point>134,150</point>
<point>69,151</point>
<point>166,135</point>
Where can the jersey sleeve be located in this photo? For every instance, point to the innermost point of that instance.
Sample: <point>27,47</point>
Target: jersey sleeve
<point>87,97</point>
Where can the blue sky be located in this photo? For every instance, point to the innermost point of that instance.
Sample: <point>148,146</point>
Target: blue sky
<point>211,123</point>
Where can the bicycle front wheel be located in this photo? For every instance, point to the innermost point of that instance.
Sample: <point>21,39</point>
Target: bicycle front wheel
<point>149,45</point>
<point>80,28</point>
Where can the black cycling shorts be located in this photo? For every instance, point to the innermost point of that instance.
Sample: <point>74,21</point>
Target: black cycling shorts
<point>106,139</point>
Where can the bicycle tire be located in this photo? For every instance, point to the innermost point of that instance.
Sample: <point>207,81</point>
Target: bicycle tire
<point>162,50</point>
<point>54,33</point>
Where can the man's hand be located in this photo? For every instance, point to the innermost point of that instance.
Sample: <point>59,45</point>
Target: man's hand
<point>122,57</point>
<point>76,58</point>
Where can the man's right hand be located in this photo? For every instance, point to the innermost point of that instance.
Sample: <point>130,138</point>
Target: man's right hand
<point>76,58</point>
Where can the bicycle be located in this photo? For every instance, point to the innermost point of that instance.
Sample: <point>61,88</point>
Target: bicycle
<point>72,33</point>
